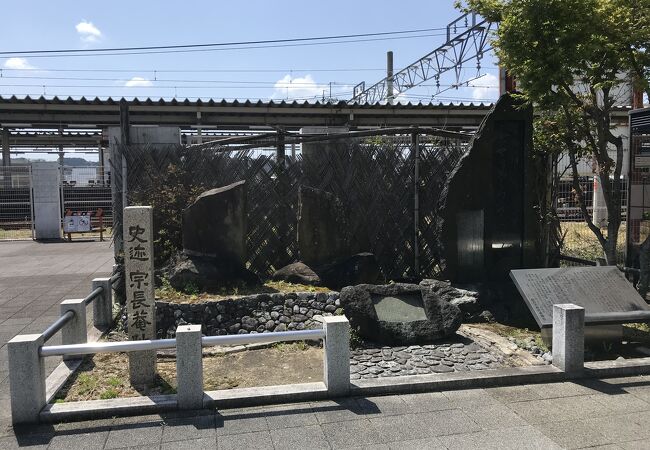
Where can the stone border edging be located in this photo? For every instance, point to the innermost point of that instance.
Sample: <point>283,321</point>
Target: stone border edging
<point>94,409</point>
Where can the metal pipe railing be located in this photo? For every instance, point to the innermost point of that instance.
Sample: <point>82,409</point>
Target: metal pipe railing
<point>615,318</point>
<point>96,293</point>
<point>116,277</point>
<point>57,325</point>
<point>159,344</point>
<point>106,347</point>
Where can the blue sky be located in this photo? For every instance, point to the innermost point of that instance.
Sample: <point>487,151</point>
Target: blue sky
<point>301,72</point>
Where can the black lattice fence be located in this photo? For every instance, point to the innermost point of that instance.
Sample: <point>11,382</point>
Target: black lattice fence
<point>373,177</point>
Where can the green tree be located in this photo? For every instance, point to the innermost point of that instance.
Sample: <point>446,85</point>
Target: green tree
<point>573,59</point>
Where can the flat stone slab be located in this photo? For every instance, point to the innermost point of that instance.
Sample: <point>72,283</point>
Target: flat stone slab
<point>597,289</point>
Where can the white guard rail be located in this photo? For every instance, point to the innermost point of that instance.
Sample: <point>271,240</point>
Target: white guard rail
<point>27,368</point>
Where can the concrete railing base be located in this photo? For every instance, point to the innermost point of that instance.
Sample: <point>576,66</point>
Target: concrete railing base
<point>244,397</point>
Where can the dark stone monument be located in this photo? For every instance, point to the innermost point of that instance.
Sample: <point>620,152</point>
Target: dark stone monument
<point>597,289</point>
<point>214,242</point>
<point>487,224</point>
<point>399,314</point>
<point>215,224</point>
<point>323,235</point>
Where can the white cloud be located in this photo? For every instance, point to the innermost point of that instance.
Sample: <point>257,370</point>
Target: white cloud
<point>485,88</point>
<point>299,88</point>
<point>18,64</point>
<point>138,82</point>
<point>88,32</point>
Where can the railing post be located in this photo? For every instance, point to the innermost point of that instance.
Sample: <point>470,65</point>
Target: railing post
<point>336,360</point>
<point>103,304</point>
<point>26,378</point>
<point>569,337</point>
<point>75,331</point>
<point>189,367</point>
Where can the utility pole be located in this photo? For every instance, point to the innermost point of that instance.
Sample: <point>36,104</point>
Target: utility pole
<point>389,77</point>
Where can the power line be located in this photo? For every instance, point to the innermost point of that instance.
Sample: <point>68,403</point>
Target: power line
<point>39,69</point>
<point>291,82</point>
<point>213,46</point>
<point>43,69</point>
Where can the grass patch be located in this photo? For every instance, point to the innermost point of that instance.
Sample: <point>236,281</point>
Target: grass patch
<point>580,241</point>
<point>106,375</point>
<point>296,346</point>
<point>191,294</point>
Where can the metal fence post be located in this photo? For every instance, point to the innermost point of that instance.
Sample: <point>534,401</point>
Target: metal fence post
<point>103,304</point>
<point>189,367</point>
<point>336,360</point>
<point>415,148</point>
<point>568,337</point>
<point>26,378</point>
<point>75,331</point>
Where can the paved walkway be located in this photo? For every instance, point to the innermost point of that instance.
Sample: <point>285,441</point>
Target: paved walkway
<point>608,414</point>
<point>34,279</point>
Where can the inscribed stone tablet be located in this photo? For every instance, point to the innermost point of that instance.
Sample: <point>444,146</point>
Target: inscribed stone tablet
<point>400,308</point>
<point>597,289</point>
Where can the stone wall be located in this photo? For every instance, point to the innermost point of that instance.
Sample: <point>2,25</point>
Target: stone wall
<point>249,314</point>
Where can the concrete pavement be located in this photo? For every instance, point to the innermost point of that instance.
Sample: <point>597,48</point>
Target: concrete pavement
<point>607,414</point>
<point>34,279</point>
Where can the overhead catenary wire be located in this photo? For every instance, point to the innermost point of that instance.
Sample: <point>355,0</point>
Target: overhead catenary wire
<point>217,44</point>
<point>248,47</point>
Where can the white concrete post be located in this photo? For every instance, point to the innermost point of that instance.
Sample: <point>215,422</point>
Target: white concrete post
<point>599,215</point>
<point>336,360</point>
<point>26,378</point>
<point>47,204</point>
<point>74,332</point>
<point>103,304</point>
<point>189,367</point>
<point>568,337</point>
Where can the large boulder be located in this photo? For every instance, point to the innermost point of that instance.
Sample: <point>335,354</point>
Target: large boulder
<point>207,273</point>
<point>297,272</point>
<point>399,314</point>
<point>215,224</point>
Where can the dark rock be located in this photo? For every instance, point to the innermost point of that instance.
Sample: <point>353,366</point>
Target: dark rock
<point>467,300</point>
<point>361,268</point>
<point>442,318</point>
<point>207,273</point>
<point>215,224</point>
<point>322,232</point>
<point>297,272</point>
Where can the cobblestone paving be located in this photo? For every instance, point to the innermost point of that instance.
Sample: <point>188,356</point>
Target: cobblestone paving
<point>417,360</point>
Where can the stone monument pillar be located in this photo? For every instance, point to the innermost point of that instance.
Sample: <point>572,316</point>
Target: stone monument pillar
<point>141,317</point>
